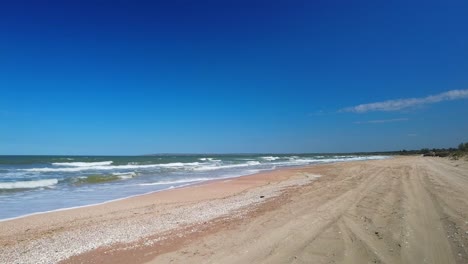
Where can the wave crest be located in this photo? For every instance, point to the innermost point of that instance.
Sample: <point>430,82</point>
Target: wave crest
<point>27,184</point>
<point>82,164</point>
<point>270,158</point>
<point>108,167</point>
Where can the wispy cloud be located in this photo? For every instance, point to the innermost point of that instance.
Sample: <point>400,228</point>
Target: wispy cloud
<point>381,121</point>
<point>399,104</point>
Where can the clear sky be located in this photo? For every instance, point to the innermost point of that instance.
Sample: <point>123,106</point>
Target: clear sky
<point>139,77</point>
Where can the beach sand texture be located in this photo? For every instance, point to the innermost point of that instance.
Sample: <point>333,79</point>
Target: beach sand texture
<point>399,210</point>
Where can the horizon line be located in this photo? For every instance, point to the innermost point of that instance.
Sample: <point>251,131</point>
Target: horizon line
<point>226,153</point>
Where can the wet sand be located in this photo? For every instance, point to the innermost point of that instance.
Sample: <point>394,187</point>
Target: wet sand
<point>401,210</point>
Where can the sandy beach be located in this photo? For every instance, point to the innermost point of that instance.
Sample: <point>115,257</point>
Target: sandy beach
<point>399,210</point>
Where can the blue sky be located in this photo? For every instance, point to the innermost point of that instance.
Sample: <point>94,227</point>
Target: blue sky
<point>134,77</point>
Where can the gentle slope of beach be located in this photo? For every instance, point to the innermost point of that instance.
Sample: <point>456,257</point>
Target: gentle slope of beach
<point>400,210</point>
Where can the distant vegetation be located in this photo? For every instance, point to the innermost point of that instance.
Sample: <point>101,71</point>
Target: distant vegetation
<point>454,153</point>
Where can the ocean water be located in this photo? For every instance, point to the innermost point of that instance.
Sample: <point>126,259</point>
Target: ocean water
<point>33,184</point>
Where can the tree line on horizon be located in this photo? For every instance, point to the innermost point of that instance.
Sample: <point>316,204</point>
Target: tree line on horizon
<point>454,153</point>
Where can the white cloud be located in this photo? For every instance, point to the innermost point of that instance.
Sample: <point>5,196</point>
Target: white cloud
<point>382,121</point>
<point>399,104</point>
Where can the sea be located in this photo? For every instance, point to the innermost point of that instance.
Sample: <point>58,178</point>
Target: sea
<point>35,184</point>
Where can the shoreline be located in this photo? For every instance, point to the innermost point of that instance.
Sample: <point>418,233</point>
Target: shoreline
<point>83,221</point>
<point>377,203</point>
<point>189,184</point>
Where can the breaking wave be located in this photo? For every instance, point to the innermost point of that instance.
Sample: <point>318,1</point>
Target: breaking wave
<point>270,158</point>
<point>108,167</point>
<point>27,184</point>
<point>82,164</point>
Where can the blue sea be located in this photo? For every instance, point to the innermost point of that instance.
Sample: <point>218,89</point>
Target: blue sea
<point>33,184</point>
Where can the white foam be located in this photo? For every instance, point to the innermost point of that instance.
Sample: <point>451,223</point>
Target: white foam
<point>125,175</point>
<point>179,164</point>
<point>270,158</point>
<point>116,167</point>
<point>210,165</point>
<point>352,158</point>
<point>219,167</point>
<point>197,166</point>
<point>82,164</point>
<point>209,159</point>
<point>305,161</point>
<point>27,184</point>
<point>176,182</point>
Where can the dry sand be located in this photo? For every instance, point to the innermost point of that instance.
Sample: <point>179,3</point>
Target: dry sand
<point>401,210</point>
